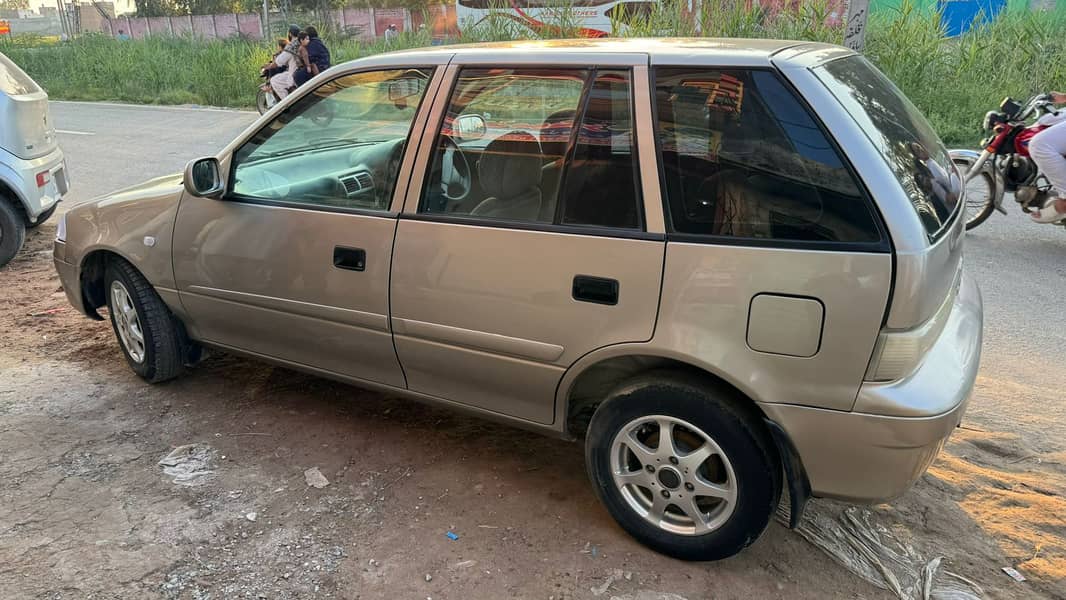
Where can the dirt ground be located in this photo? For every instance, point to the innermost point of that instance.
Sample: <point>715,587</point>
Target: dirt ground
<point>86,511</point>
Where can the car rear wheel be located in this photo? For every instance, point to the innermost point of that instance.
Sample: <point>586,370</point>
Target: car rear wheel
<point>12,231</point>
<point>151,338</point>
<point>683,466</point>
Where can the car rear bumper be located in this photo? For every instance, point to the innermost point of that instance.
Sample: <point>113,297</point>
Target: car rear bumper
<point>37,199</point>
<point>868,457</point>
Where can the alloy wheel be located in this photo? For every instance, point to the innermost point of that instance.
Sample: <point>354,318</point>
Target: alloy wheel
<point>127,322</point>
<point>673,474</point>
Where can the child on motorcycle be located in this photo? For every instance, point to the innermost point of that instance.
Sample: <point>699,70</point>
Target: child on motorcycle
<point>1048,151</point>
<point>287,62</point>
<point>271,68</point>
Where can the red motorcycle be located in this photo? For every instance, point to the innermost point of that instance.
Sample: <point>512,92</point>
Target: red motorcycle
<point>1004,164</point>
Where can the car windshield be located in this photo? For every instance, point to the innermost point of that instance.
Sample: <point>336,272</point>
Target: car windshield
<point>358,109</point>
<point>901,134</point>
<point>13,80</point>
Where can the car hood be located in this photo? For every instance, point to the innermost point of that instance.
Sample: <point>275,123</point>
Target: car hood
<point>167,185</point>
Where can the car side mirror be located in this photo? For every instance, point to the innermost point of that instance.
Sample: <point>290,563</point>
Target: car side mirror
<point>469,127</point>
<point>203,177</point>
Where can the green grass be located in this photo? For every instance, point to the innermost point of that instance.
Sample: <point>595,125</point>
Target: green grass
<point>953,81</point>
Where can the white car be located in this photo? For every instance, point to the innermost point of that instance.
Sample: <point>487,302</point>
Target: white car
<point>33,177</point>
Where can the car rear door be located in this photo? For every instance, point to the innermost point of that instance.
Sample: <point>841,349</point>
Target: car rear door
<point>778,266</point>
<point>293,263</point>
<point>549,252</point>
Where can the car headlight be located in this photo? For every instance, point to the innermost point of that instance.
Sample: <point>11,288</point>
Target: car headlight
<point>61,228</point>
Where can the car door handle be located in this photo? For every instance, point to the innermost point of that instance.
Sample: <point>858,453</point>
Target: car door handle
<point>351,259</point>
<point>598,290</point>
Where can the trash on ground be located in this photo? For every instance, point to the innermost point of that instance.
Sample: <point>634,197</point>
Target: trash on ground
<point>315,478</point>
<point>464,564</point>
<point>190,465</point>
<point>452,536</point>
<point>429,578</point>
<point>252,516</point>
<point>46,313</point>
<point>1014,573</point>
<point>613,575</point>
<point>648,595</point>
<point>852,537</point>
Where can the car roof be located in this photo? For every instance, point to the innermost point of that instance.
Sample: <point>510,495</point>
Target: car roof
<point>744,52</point>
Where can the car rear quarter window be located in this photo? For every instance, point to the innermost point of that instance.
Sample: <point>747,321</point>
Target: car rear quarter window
<point>743,159</point>
<point>13,80</point>
<point>901,135</point>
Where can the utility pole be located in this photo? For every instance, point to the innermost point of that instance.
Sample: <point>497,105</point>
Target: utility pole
<point>266,19</point>
<point>855,26</point>
<point>63,18</point>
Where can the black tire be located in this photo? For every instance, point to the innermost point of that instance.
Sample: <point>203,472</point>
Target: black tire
<point>979,214</point>
<point>41,218</point>
<point>165,343</point>
<point>723,415</point>
<point>262,101</point>
<point>12,231</point>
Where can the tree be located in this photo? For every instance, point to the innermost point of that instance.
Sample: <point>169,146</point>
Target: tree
<point>155,8</point>
<point>14,4</point>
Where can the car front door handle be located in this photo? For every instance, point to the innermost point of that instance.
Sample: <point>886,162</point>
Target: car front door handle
<point>350,259</point>
<point>598,290</point>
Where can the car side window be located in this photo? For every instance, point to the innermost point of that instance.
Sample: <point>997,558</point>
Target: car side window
<point>504,130</point>
<point>339,147</point>
<point>743,158</point>
<point>601,185</point>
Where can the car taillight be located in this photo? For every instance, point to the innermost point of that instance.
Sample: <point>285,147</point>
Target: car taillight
<point>897,353</point>
<point>44,178</point>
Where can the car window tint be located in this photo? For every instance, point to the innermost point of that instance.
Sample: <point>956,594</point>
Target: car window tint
<point>338,147</point>
<point>742,157</point>
<point>502,143</point>
<point>601,184</point>
<point>901,134</point>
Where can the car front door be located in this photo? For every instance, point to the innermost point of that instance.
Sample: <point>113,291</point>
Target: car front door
<point>528,246</point>
<point>293,263</point>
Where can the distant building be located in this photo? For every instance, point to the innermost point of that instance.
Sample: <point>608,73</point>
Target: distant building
<point>117,7</point>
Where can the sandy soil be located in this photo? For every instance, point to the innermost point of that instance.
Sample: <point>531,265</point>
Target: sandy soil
<point>87,512</point>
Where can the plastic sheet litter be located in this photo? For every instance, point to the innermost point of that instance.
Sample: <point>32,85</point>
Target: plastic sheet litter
<point>852,536</point>
<point>190,465</point>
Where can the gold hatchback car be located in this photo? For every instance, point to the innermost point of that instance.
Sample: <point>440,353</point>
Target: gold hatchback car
<point>733,267</point>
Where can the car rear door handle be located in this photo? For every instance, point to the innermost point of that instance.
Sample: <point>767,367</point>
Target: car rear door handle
<point>598,290</point>
<point>351,259</point>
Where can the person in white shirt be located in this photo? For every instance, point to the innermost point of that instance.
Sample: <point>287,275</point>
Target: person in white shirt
<point>1048,151</point>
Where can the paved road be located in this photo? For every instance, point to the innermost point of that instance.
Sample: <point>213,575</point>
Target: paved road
<point>110,146</point>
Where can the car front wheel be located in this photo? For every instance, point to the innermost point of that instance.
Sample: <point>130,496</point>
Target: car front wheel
<point>684,466</point>
<point>150,337</point>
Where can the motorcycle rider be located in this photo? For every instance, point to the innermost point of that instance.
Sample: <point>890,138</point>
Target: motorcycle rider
<point>287,61</point>
<point>316,57</point>
<point>1048,151</point>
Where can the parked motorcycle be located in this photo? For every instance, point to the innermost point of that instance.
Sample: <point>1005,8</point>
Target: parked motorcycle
<point>1004,164</point>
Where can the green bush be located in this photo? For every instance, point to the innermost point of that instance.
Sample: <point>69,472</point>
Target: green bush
<point>952,80</point>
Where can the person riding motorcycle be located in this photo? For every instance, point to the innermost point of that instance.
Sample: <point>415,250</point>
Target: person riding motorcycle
<point>1048,151</point>
<point>288,62</point>
<point>316,57</point>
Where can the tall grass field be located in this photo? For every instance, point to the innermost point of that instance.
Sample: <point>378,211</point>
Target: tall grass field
<point>952,80</point>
